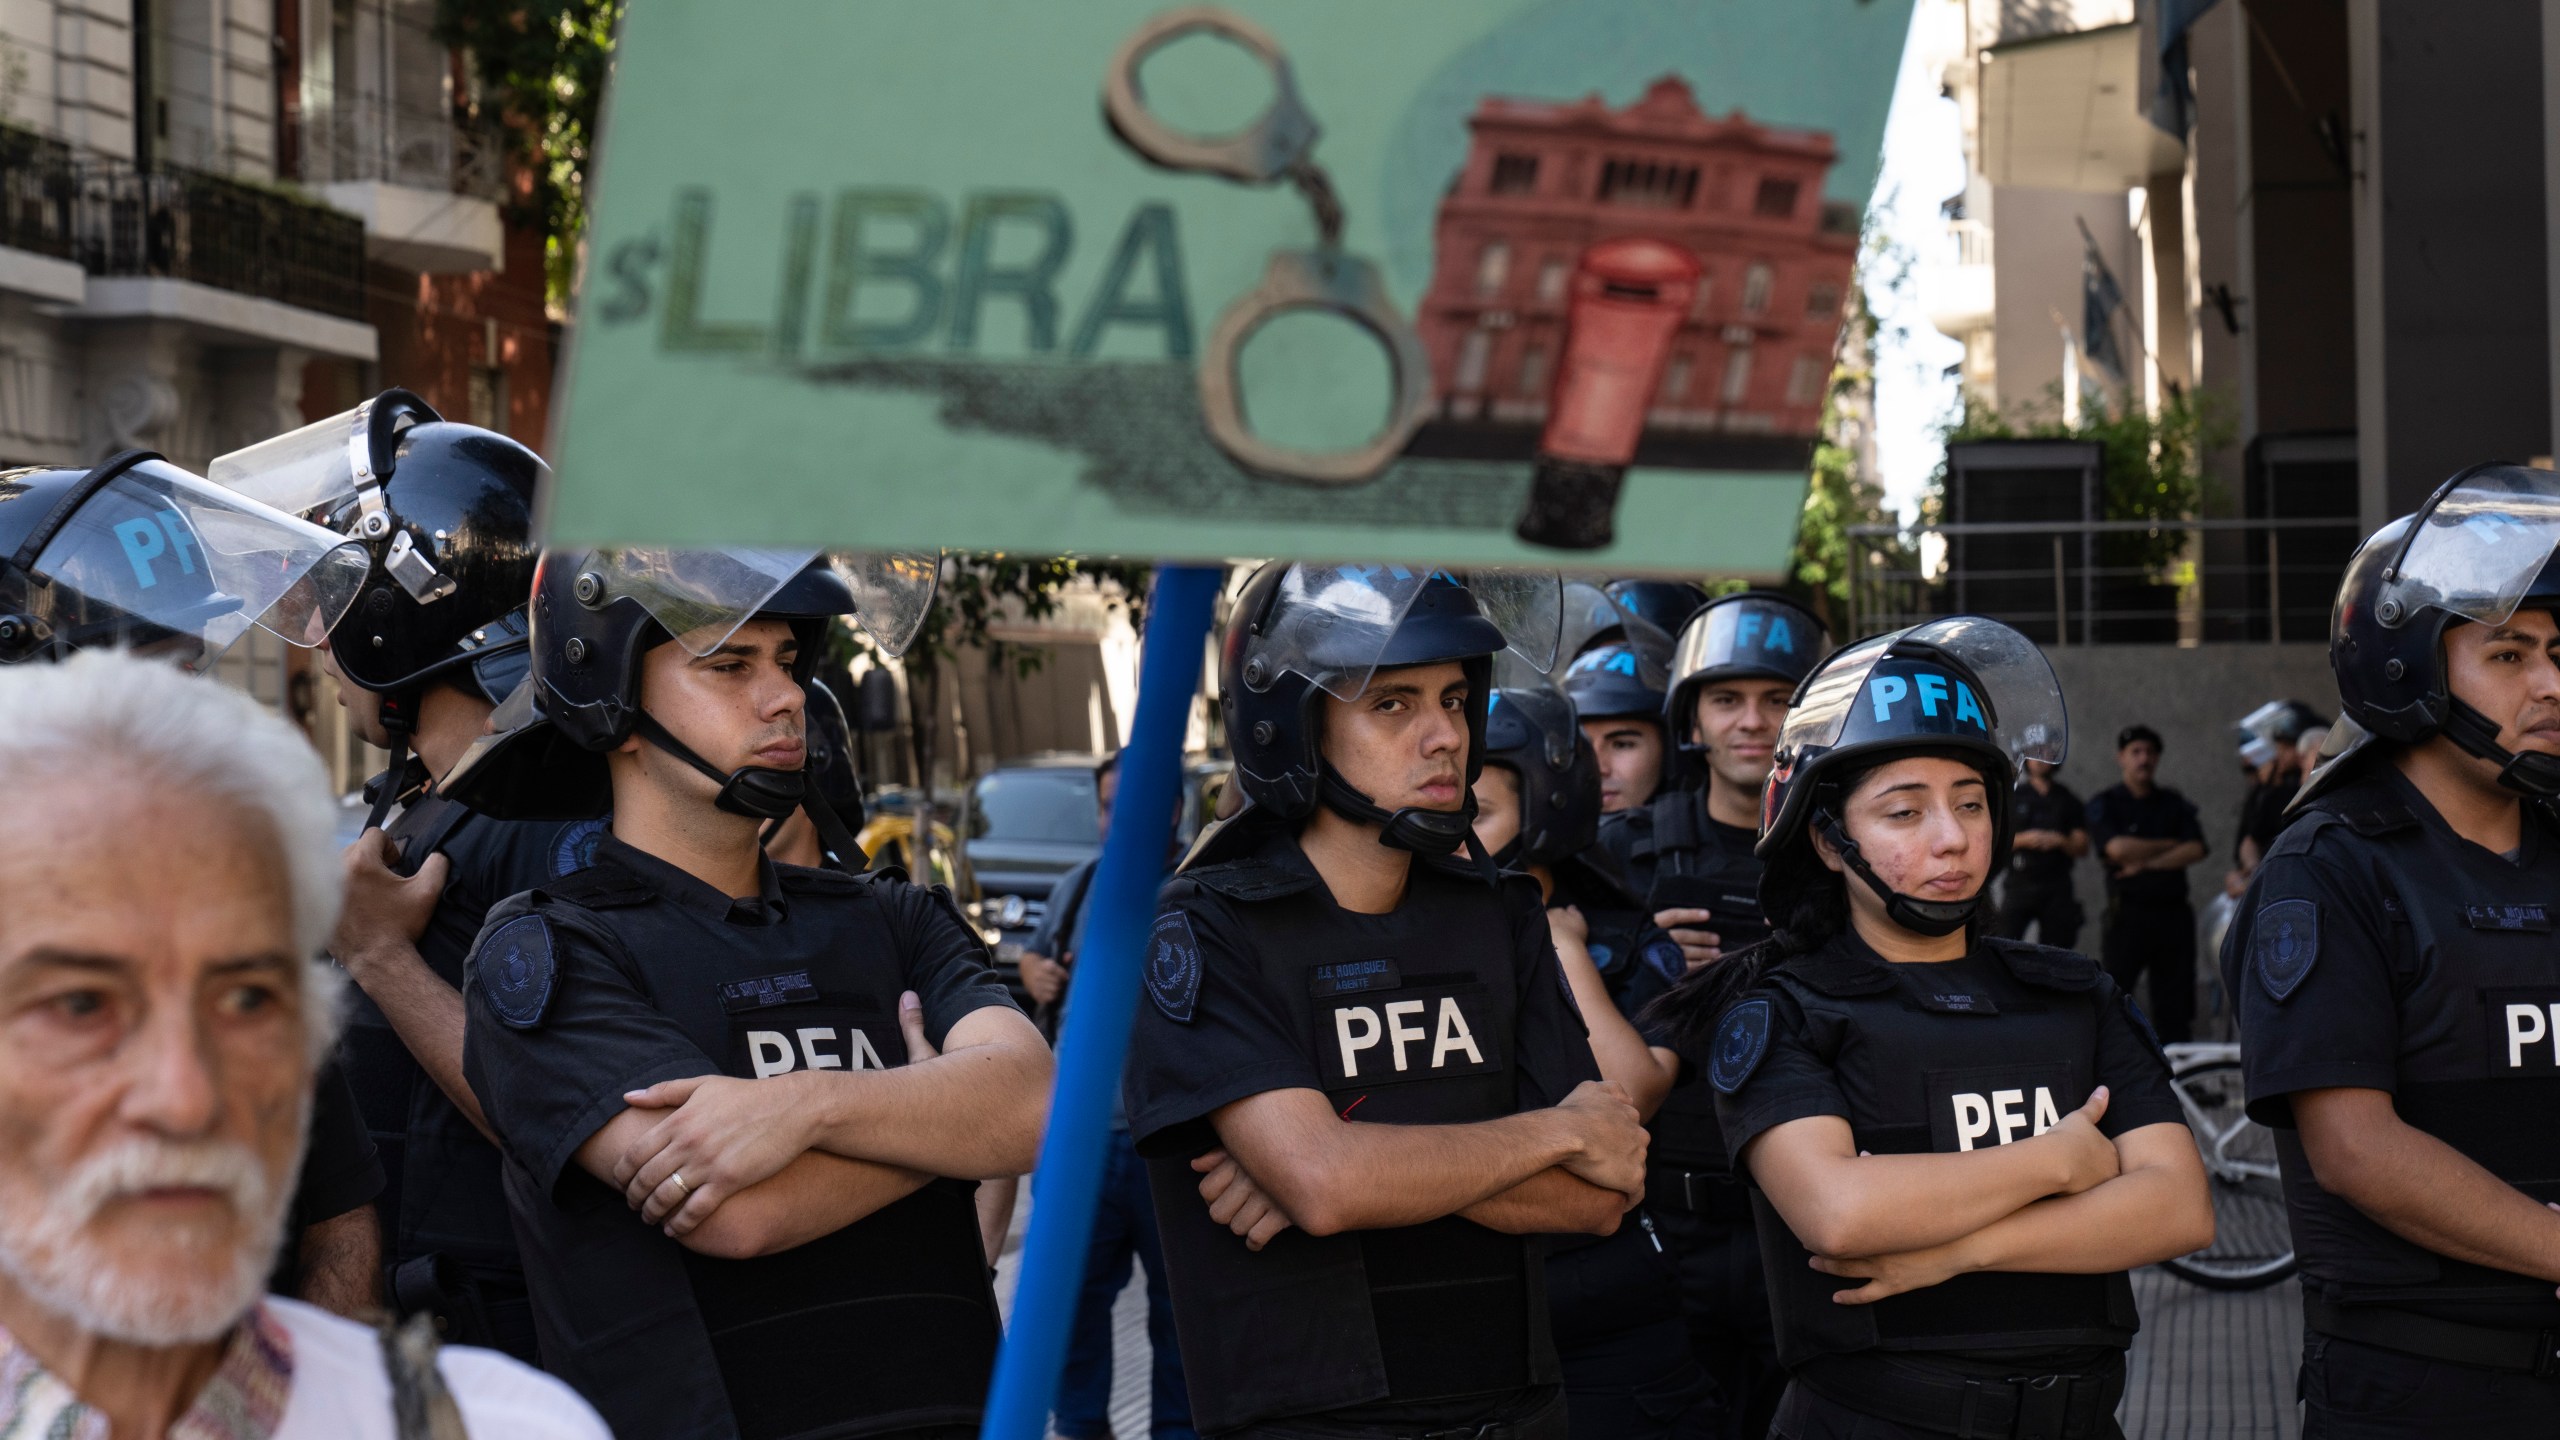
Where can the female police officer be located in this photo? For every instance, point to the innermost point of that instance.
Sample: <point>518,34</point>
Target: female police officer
<point>1611,1301</point>
<point>1957,1144</point>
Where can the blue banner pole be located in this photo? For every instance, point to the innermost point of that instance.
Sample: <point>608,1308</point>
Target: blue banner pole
<point>1119,911</point>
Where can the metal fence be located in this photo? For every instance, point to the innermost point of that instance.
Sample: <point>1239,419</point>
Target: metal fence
<point>179,224</point>
<point>2107,582</point>
<point>446,151</point>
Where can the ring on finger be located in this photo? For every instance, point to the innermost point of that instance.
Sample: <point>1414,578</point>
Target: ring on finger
<point>676,1178</point>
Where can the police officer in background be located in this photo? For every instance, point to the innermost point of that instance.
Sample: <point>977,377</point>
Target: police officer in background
<point>2147,835</point>
<point>2271,746</point>
<point>1617,688</point>
<point>1665,605</point>
<point>714,1078</point>
<point>1628,1370</point>
<point>444,513</point>
<point>2049,834</point>
<point>1323,959</point>
<point>138,553</point>
<point>2392,966</point>
<point>1958,1144</point>
<point>1690,853</point>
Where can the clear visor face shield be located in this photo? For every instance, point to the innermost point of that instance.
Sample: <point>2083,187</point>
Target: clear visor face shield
<point>161,561</point>
<point>1747,635</point>
<point>1333,623</point>
<point>2027,718</point>
<point>1587,612</point>
<point>701,597</point>
<point>2476,547</point>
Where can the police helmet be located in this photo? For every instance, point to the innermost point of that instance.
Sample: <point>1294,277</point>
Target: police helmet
<point>834,772</point>
<point>1666,605</point>
<point>445,513</point>
<point>1626,676</point>
<point>1749,635</point>
<point>1590,618</point>
<point>2478,550</point>
<point>1965,687</point>
<point>1531,730</point>
<point>140,553</point>
<point>1302,631</point>
<point>596,613</point>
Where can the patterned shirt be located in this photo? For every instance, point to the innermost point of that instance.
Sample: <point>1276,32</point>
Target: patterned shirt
<point>244,1400</point>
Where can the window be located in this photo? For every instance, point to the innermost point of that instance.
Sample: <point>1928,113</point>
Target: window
<point>1648,183</point>
<point>1755,289</point>
<point>1822,302</point>
<point>1776,200</point>
<point>1041,804</point>
<point>1737,375</point>
<point>1551,277</point>
<point>1533,370</point>
<point>1675,379</point>
<point>1471,358</point>
<point>1804,382</point>
<point>488,400</point>
<point>1493,266</point>
<point>1515,174</point>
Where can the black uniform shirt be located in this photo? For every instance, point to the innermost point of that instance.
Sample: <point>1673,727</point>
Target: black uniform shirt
<point>2056,809</point>
<point>2164,814</point>
<point>2262,812</point>
<point>2377,949</point>
<point>622,1310</point>
<point>341,1171</point>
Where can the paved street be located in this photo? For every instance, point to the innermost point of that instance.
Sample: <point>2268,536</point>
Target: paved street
<point>2207,1366</point>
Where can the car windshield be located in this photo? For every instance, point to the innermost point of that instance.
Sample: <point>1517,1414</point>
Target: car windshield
<point>1036,805</point>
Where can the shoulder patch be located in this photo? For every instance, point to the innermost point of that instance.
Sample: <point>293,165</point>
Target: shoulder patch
<point>1665,958</point>
<point>575,848</point>
<point>1173,966</point>
<point>517,969</point>
<point>1741,1039</point>
<point>2284,940</point>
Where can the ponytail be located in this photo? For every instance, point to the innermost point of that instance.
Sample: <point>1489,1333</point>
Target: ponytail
<point>1808,907</point>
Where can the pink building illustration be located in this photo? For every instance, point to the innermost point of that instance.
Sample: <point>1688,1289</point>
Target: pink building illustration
<point>1545,180</point>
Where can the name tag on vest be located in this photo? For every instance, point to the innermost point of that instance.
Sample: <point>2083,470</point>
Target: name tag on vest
<point>1353,977</point>
<point>1997,1105</point>
<point>1959,1004</point>
<point>2533,919</point>
<point>766,991</point>
<point>1382,1040</point>
<point>2522,1030</point>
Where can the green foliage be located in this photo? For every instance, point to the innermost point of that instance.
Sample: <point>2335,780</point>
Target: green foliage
<point>542,64</point>
<point>1839,496</point>
<point>2151,467</point>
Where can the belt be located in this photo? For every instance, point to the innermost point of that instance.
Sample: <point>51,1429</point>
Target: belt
<point>1700,1192</point>
<point>2022,1407</point>
<point>2514,1352</point>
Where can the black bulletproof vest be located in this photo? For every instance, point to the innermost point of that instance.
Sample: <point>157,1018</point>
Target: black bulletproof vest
<point>2475,959</point>
<point>1935,1058</point>
<point>1696,866</point>
<point>448,1242</point>
<point>889,1323</point>
<point>1424,1036</point>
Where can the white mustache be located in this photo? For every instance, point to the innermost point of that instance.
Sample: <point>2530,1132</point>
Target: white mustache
<point>142,1164</point>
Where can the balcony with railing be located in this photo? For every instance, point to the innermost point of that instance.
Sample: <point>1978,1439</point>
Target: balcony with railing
<point>1956,286</point>
<point>116,222</point>
<point>2158,582</point>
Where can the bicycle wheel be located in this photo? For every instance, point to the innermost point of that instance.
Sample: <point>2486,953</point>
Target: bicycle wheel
<point>2252,1242</point>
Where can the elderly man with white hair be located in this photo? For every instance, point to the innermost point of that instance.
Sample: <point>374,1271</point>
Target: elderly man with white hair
<point>157,1048</point>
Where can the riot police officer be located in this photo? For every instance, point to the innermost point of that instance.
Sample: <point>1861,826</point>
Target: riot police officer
<point>1666,605</point>
<point>1320,960</point>
<point>2392,969</point>
<point>1690,854</point>
<point>136,552</point>
<point>436,638</point>
<point>1612,1300</point>
<point>1957,1144</point>
<point>2271,747</point>
<point>1617,688</point>
<point>744,1204</point>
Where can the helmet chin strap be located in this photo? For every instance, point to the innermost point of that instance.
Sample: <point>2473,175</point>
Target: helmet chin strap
<point>2528,772</point>
<point>1423,832</point>
<point>762,792</point>
<point>396,719</point>
<point>1921,917</point>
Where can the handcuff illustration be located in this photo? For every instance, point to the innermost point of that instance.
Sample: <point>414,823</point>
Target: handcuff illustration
<point>1277,146</point>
